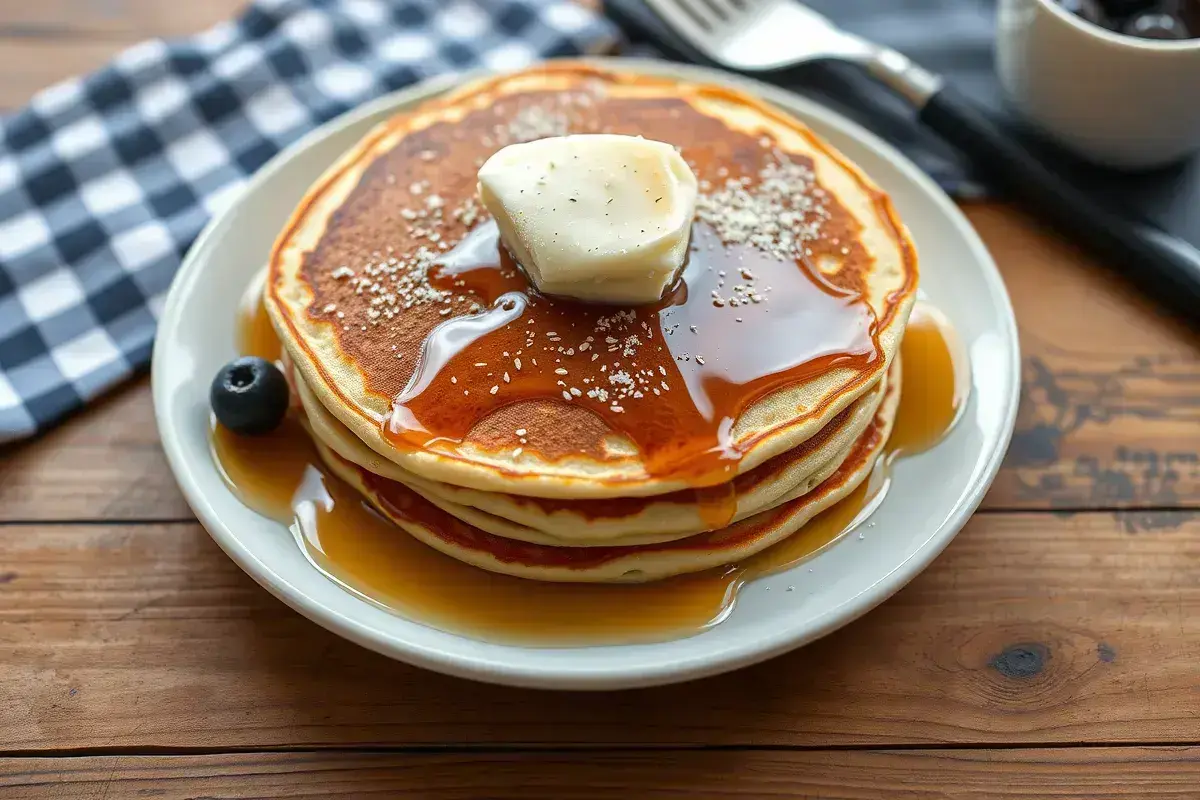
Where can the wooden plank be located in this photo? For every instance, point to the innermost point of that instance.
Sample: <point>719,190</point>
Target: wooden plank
<point>100,20</point>
<point>1111,389</point>
<point>44,43</point>
<point>1136,773</point>
<point>1030,629</point>
<point>29,65</point>
<point>105,464</point>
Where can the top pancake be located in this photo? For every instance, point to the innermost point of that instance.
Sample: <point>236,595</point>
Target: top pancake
<point>799,283</point>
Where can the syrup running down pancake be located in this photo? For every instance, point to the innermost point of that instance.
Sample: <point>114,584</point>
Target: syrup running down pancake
<point>627,520</point>
<point>617,564</point>
<point>417,332</point>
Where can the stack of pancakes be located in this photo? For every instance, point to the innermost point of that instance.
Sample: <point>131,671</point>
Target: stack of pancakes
<point>555,440</point>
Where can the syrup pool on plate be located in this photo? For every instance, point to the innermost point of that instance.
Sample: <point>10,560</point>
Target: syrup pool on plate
<point>254,334</point>
<point>281,476</point>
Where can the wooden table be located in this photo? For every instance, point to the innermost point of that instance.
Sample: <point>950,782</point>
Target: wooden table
<point>1054,649</point>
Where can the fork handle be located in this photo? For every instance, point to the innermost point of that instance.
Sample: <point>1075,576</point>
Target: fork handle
<point>1162,265</point>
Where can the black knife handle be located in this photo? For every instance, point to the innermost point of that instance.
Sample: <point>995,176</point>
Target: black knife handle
<point>1163,266</point>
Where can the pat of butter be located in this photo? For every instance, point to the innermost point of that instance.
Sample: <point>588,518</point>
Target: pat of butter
<point>597,217</point>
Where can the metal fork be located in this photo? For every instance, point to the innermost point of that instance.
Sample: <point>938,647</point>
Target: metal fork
<point>765,35</point>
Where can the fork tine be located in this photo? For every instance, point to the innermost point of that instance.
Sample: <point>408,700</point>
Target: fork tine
<point>721,10</point>
<point>758,35</point>
<point>694,22</point>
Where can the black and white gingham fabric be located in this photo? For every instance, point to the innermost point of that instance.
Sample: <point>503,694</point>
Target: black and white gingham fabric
<point>106,180</point>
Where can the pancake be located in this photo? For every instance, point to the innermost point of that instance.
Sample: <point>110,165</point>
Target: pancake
<point>618,564</point>
<point>422,337</point>
<point>658,518</point>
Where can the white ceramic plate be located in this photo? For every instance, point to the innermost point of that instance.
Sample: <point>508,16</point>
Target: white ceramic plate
<point>932,496</point>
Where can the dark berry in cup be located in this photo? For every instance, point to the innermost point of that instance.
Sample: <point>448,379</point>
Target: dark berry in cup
<point>1155,25</point>
<point>249,396</point>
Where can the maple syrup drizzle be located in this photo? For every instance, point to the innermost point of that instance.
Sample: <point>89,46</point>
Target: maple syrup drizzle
<point>694,362</point>
<point>934,385</point>
<point>718,504</point>
<point>255,335</point>
<point>281,476</point>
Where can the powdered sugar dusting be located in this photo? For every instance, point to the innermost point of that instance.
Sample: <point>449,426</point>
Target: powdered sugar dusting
<point>779,214</point>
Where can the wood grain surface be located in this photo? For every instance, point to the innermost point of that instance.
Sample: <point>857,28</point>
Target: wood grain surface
<point>44,41</point>
<point>1133,773</point>
<point>1031,628</point>
<point>1053,650</point>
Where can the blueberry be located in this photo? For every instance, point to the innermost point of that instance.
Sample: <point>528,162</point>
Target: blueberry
<point>1155,25</point>
<point>249,396</point>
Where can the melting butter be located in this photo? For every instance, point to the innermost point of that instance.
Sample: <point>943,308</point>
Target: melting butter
<point>597,217</point>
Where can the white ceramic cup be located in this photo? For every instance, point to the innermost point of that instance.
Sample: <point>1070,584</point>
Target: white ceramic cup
<point>1113,99</point>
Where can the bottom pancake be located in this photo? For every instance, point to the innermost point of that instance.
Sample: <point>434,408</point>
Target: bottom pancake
<point>612,564</point>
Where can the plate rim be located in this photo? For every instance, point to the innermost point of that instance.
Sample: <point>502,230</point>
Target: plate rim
<point>531,674</point>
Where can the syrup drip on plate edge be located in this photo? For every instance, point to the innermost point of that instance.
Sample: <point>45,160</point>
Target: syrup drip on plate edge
<point>281,476</point>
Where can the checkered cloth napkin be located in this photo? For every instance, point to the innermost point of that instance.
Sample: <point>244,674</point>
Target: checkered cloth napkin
<point>106,180</point>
